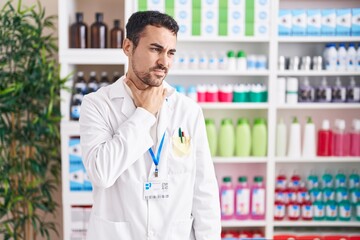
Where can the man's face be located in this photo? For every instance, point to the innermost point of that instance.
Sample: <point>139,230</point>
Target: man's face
<point>151,59</point>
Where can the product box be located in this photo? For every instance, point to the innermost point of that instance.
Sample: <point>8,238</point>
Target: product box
<point>236,18</point>
<point>355,24</point>
<point>262,10</point>
<point>299,22</point>
<point>285,23</point>
<point>313,22</point>
<point>184,20</point>
<point>87,184</point>
<point>343,22</point>
<point>261,29</point>
<point>76,171</point>
<point>156,5</point>
<point>328,22</point>
<point>74,150</point>
<point>209,21</point>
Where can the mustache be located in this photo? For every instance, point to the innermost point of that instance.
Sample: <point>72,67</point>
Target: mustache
<point>159,67</point>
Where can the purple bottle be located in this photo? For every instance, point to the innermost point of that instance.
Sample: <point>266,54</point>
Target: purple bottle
<point>306,92</point>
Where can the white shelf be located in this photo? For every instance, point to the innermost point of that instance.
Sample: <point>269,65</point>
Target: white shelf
<point>243,223</point>
<point>79,198</point>
<point>224,39</point>
<point>318,73</point>
<point>240,159</point>
<point>320,39</point>
<point>320,106</point>
<point>220,105</point>
<point>93,56</point>
<point>316,224</point>
<point>317,160</point>
<point>209,72</point>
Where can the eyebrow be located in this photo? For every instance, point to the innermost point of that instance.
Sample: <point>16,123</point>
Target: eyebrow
<point>159,46</point>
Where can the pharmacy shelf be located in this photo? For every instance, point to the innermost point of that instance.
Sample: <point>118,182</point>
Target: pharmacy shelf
<point>317,160</point>
<point>239,106</point>
<point>240,159</point>
<point>93,56</point>
<point>224,39</point>
<point>323,106</point>
<point>209,72</point>
<point>316,224</point>
<point>318,73</point>
<point>79,198</point>
<point>321,39</point>
<point>243,223</point>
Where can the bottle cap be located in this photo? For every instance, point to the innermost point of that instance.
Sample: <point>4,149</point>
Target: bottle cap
<point>356,124</point>
<point>352,82</point>
<point>342,45</point>
<point>241,54</point>
<point>242,179</point>
<point>309,120</point>
<point>338,82</point>
<point>117,23</point>
<point>209,121</point>
<point>340,124</point>
<point>325,124</point>
<point>103,74</point>
<point>259,121</point>
<point>231,54</point>
<point>242,121</point>
<point>324,82</point>
<point>80,74</point>
<point>99,17</point>
<point>258,179</point>
<point>79,16</point>
<point>351,44</point>
<point>226,121</point>
<point>227,179</point>
<point>93,74</point>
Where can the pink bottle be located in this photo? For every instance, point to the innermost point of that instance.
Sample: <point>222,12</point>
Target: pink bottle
<point>201,92</point>
<point>355,139</point>
<point>227,199</point>
<point>258,199</point>
<point>325,137</point>
<point>226,93</point>
<point>341,139</point>
<point>212,93</point>
<point>242,199</point>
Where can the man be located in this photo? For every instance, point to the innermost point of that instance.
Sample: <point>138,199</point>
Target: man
<point>145,148</point>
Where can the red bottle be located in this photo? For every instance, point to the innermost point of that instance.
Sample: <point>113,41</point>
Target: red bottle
<point>279,210</point>
<point>307,211</point>
<point>324,144</point>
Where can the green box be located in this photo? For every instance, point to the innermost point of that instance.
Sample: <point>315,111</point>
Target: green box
<point>223,29</point>
<point>196,29</point>
<point>223,3</point>
<point>169,4</point>
<point>195,3</point>
<point>170,11</point>
<point>249,29</point>
<point>142,4</point>
<point>196,15</point>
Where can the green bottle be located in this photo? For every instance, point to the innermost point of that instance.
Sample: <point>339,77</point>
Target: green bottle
<point>259,138</point>
<point>331,211</point>
<point>319,211</point>
<point>345,210</point>
<point>211,135</point>
<point>242,138</point>
<point>226,138</point>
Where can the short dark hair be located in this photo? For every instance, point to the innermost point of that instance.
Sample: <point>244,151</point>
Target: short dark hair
<point>139,20</point>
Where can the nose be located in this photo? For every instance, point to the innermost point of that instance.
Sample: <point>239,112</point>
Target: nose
<point>164,60</point>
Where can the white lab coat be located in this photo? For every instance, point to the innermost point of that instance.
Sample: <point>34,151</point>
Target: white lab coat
<point>115,138</point>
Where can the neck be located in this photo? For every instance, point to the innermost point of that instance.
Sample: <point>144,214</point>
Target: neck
<point>138,83</point>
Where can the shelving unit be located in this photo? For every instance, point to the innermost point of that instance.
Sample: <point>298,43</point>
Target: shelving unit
<point>269,165</point>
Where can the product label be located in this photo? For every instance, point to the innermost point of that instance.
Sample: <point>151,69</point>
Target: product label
<point>331,210</point>
<point>307,211</point>
<point>294,211</point>
<point>258,202</point>
<point>291,197</point>
<point>227,203</point>
<point>329,194</point>
<point>75,112</point>
<point>302,196</point>
<point>345,211</point>
<point>279,211</point>
<point>319,210</point>
<point>243,202</point>
<point>280,197</point>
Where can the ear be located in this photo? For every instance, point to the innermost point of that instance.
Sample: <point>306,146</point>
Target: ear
<point>127,47</point>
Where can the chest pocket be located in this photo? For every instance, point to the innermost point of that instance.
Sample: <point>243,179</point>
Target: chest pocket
<point>181,156</point>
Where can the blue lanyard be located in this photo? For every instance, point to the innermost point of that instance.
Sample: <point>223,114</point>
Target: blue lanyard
<point>156,159</point>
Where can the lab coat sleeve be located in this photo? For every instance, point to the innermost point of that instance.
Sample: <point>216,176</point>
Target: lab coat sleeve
<point>106,155</point>
<point>206,206</point>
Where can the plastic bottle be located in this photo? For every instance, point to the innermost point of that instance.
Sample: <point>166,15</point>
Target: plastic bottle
<point>331,58</point>
<point>98,32</point>
<point>279,210</point>
<point>351,57</point>
<point>231,61</point>
<point>293,210</point>
<point>223,62</point>
<point>331,211</point>
<point>327,179</point>
<point>323,92</point>
<point>341,139</point>
<point>340,179</point>
<point>80,84</point>
<point>328,194</point>
<point>345,210</point>
<point>353,91</point>
<point>355,138</point>
<point>78,32</point>
<point>241,93</point>
<point>303,193</point>
<point>193,61</point>
<point>227,199</point>
<point>342,57</point>
<point>75,106</point>
<point>203,61</point>
<point>326,54</point>
<point>341,194</point>
<point>312,180</point>
<point>307,210</point>
<point>92,84</point>
<point>201,93</point>
<point>258,199</point>
<point>242,199</point>
<point>212,93</point>
<point>225,93</point>
<point>354,179</point>
<point>192,93</point>
<point>325,135</point>
<point>241,61</point>
<point>212,63</point>
<point>319,211</point>
<point>280,187</point>
<point>259,138</point>
<point>306,92</point>
<point>211,135</point>
<point>226,143</point>
<point>294,149</point>
<point>309,139</point>
<point>251,62</point>
<point>243,138</point>
<point>104,80</point>
<point>116,35</point>
<point>338,92</point>
<point>281,139</point>
<point>292,88</point>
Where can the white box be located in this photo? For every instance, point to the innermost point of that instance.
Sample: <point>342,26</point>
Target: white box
<point>285,22</point>
<point>328,22</point>
<point>262,11</point>
<point>313,22</point>
<point>343,22</point>
<point>355,25</point>
<point>299,22</point>
<point>157,5</point>
<point>236,18</point>
<point>183,18</point>
<point>262,29</point>
<point>209,21</point>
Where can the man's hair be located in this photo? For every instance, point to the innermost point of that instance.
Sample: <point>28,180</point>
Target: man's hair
<point>139,20</point>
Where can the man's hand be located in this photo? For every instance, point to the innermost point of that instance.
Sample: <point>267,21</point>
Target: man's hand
<point>150,98</point>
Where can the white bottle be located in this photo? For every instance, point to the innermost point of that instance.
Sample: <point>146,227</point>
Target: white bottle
<point>213,61</point>
<point>281,90</point>
<point>351,57</point>
<point>193,61</point>
<point>292,87</point>
<point>331,58</point>
<point>223,61</point>
<point>342,57</point>
<point>295,139</point>
<point>241,61</point>
<point>231,61</point>
<point>203,61</point>
<point>309,143</point>
<point>281,138</point>
<point>326,53</point>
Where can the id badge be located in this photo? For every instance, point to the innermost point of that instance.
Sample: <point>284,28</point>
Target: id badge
<point>156,190</point>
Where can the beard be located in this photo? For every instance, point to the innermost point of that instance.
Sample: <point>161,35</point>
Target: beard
<point>150,77</point>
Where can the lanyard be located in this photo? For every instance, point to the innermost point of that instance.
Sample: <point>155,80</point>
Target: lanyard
<point>156,159</point>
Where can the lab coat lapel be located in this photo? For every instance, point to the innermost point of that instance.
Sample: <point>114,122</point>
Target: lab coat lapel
<point>118,91</point>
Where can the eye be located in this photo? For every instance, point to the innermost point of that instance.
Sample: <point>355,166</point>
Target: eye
<point>158,50</point>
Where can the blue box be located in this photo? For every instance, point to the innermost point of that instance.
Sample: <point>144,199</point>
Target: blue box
<point>313,22</point>
<point>284,23</point>
<point>355,26</point>
<point>87,183</point>
<point>76,171</point>
<point>299,22</point>
<point>328,22</point>
<point>343,22</point>
<point>74,150</point>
